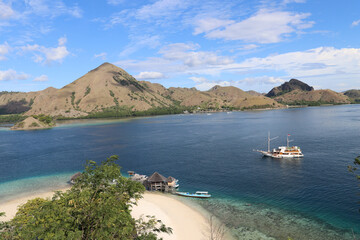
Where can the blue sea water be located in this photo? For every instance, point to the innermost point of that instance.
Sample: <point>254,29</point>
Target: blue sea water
<point>257,198</point>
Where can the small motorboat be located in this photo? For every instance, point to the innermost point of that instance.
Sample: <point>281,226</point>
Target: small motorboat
<point>198,194</point>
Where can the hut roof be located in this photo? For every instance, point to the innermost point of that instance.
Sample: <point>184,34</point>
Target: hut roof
<point>157,177</point>
<point>170,179</point>
<point>75,176</point>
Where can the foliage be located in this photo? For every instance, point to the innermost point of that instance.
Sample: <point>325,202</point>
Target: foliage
<point>46,119</point>
<point>88,90</point>
<point>96,207</point>
<point>11,118</point>
<point>34,124</point>
<point>258,107</point>
<point>353,169</point>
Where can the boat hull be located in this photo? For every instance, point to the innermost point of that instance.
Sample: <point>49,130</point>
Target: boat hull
<point>184,194</point>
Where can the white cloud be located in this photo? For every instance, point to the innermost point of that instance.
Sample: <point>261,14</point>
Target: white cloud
<point>52,8</point>
<point>42,78</point>
<point>161,8</point>
<point>250,46</point>
<point>115,2</point>
<point>50,54</point>
<point>139,42</point>
<point>355,23</point>
<point>6,11</point>
<point>4,50</point>
<point>208,24</point>
<point>62,41</point>
<point>262,80</point>
<point>203,84</point>
<point>198,79</point>
<point>11,74</point>
<point>102,55</point>
<point>149,75</point>
<point>266,26</point>
<point>185,53</point>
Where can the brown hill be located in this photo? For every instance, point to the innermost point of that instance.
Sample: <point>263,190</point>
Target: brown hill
<point>289,86</point>
<point>220,97</point>
<point>110,88</point>
<point>316,97</point>
<point>353,95</point>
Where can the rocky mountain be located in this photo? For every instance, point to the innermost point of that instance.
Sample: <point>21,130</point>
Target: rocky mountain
<point>353,95</point>
<point>289,86</point>
<point>296,92</point>
<point>109,88</point>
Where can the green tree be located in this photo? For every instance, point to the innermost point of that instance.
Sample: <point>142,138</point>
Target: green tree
<point>98,206</point>
<point>353,169</point>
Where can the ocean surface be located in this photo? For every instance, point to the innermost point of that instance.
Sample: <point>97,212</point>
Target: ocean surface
<point>257,198</point>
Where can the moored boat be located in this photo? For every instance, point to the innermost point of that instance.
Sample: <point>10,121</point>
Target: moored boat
<point>282,151</point>
<point>198,194</point>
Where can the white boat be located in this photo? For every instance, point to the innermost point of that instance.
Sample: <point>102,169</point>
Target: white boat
<point>198,194</point>
<point>282,151</point>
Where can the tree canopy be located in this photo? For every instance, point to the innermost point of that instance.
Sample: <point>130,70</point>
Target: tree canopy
<point>97,206</point>
<point>353,169</point>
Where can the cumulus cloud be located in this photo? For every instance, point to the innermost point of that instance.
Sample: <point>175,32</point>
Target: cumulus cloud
<point>266,26</point>
<point>262,80</point>
<point>188,56</point>
<point>4,50</point>
<point>6,11</point>
<point>102,55</point>
<point>42,78</point>
<point>48,54</point>
<point>9,75</point>
<point>149,75</point>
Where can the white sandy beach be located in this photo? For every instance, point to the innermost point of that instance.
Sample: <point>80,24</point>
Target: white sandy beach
<point>186,222</point>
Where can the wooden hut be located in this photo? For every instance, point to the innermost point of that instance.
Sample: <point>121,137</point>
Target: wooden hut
<point>157,182</point>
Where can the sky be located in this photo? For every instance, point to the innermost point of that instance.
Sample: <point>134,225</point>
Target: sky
<point>252,45</point>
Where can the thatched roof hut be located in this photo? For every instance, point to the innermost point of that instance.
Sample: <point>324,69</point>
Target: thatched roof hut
<point>156,177</point>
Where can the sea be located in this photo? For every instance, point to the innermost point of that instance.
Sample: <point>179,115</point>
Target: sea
<point>315,197</point>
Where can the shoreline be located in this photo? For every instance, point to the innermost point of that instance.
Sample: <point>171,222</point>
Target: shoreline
<point>186,220</point>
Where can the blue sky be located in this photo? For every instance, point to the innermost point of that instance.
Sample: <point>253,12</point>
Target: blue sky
<point>181,43</point>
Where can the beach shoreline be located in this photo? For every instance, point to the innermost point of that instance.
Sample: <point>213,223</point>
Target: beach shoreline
<point>186,220</point>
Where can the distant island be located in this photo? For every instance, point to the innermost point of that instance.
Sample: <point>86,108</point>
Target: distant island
<point>109,91</point>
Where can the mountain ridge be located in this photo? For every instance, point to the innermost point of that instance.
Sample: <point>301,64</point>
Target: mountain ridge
<point>109,88</point>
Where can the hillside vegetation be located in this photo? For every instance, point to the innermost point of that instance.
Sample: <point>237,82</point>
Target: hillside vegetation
<point>109,91</point>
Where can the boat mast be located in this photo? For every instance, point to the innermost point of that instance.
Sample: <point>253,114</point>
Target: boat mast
<point>269,139</point>
<point>287,140</point>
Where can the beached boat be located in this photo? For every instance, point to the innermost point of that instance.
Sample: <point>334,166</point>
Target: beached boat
<point>198,194</point>
<point>282,151</point>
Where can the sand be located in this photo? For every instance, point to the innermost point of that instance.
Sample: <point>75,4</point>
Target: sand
<point>186,222</point>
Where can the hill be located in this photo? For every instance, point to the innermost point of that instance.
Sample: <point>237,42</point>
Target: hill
<point>286,87</point>
<point>353,95</point>
<point>296,92</point>
<point>312,98</point>
<point>109,91</point>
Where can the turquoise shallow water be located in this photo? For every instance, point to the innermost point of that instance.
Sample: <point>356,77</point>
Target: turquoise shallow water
<point>258,198</point>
